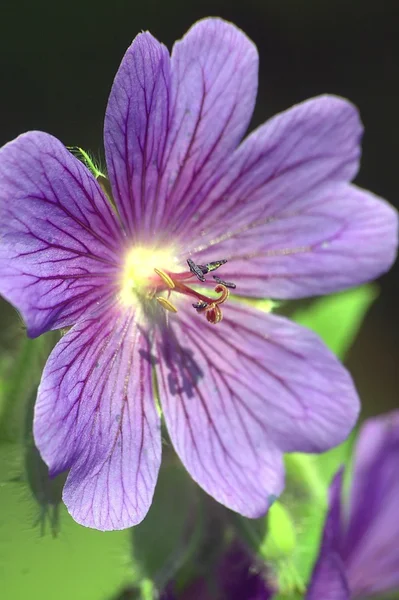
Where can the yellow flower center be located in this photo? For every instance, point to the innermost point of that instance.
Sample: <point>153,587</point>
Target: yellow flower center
<point>152,275</point>
<point>139,271</point>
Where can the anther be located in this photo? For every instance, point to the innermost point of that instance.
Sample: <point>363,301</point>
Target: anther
<point>166,304</point>
<point>227,284</point>
<point>212,266</point>
<point>195,269</point>
<point>199,306</point>
<point>165,278</point>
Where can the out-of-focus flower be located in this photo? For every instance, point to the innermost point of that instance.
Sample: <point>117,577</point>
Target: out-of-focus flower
<point>186,198</point>
<point>359,556</point>
<point>237,575</point>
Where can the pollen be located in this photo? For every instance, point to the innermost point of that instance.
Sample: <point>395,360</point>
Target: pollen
<point>141,264</point>
<point>166,304</point>
<point>165,278</point>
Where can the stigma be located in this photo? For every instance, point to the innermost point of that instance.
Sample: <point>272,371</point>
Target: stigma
<point>154,276</point>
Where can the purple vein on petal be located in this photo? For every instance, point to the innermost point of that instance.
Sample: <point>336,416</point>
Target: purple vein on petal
<point>95,415</point>
<point>55,223</point>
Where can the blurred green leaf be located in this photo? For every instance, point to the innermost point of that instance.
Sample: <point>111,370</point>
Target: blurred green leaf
<point>64,560</point>
<point>45,490</point>
<point>172,531</point>
<point>20,375</point>
<point>79,563</point>
<point>252,531</point>
<point>280,540</point>
<point>338,318</point>
<point>305,498</point>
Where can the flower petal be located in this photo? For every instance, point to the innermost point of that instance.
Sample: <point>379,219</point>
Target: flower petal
<point>281,211</point>
<point>242,576</point>
<point>235,396</point>
<point>135,129</point>
<point>96,416</point>
<point>214,83</point>
<point>370,547</point>
<point>340,237</point>
<point>59,238</point>
<point>329,580</point>
<point>171,121</point>
<point>280,163</point>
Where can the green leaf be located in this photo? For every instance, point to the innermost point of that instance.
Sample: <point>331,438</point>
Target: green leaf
<point>45,490</point>
<point>172,531</point>
<point>20,377</point>
<point>305,498</point>
<point>274,539</point>
<point>252,531</point>
<point>77,563</point>
<point>338,318</point>
<point>280,540</point>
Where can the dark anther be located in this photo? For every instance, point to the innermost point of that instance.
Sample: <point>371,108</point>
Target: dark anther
<point>200,306</point>
<point>195,269</point>
<point>227,284</point>
<point>212,266</point>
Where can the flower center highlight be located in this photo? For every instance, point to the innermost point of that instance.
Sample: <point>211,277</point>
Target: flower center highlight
<point>152,275</point>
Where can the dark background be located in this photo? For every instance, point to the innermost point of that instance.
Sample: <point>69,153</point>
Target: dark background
<point>58,59</point>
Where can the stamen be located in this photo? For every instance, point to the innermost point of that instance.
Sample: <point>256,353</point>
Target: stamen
<point>211,308</point>
<point>212,266</point>
<point>227,284</point>
<point>195,269</point>
<point>166,304</point>
<point>199,306</point>
<point>165,278</point>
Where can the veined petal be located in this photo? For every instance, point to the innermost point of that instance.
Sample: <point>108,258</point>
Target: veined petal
<point>329,581</point>
<point>171,121</point>
<point>135,129</point>
<point>235,397</point>
<point>339,237</point>
<point>282,213</point>
<point>96,416</point>
<point>279,164</point>
<point>60,241</point>
<point>214,85</point>
<point>370,546</point>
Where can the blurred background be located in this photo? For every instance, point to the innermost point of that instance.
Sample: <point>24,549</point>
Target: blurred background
<point>57,63</point>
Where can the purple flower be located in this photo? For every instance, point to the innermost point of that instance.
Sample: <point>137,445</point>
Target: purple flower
<point>359,556</point>
<point>242,577</point>
<point>278,208</point>
<point>236,575</point>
